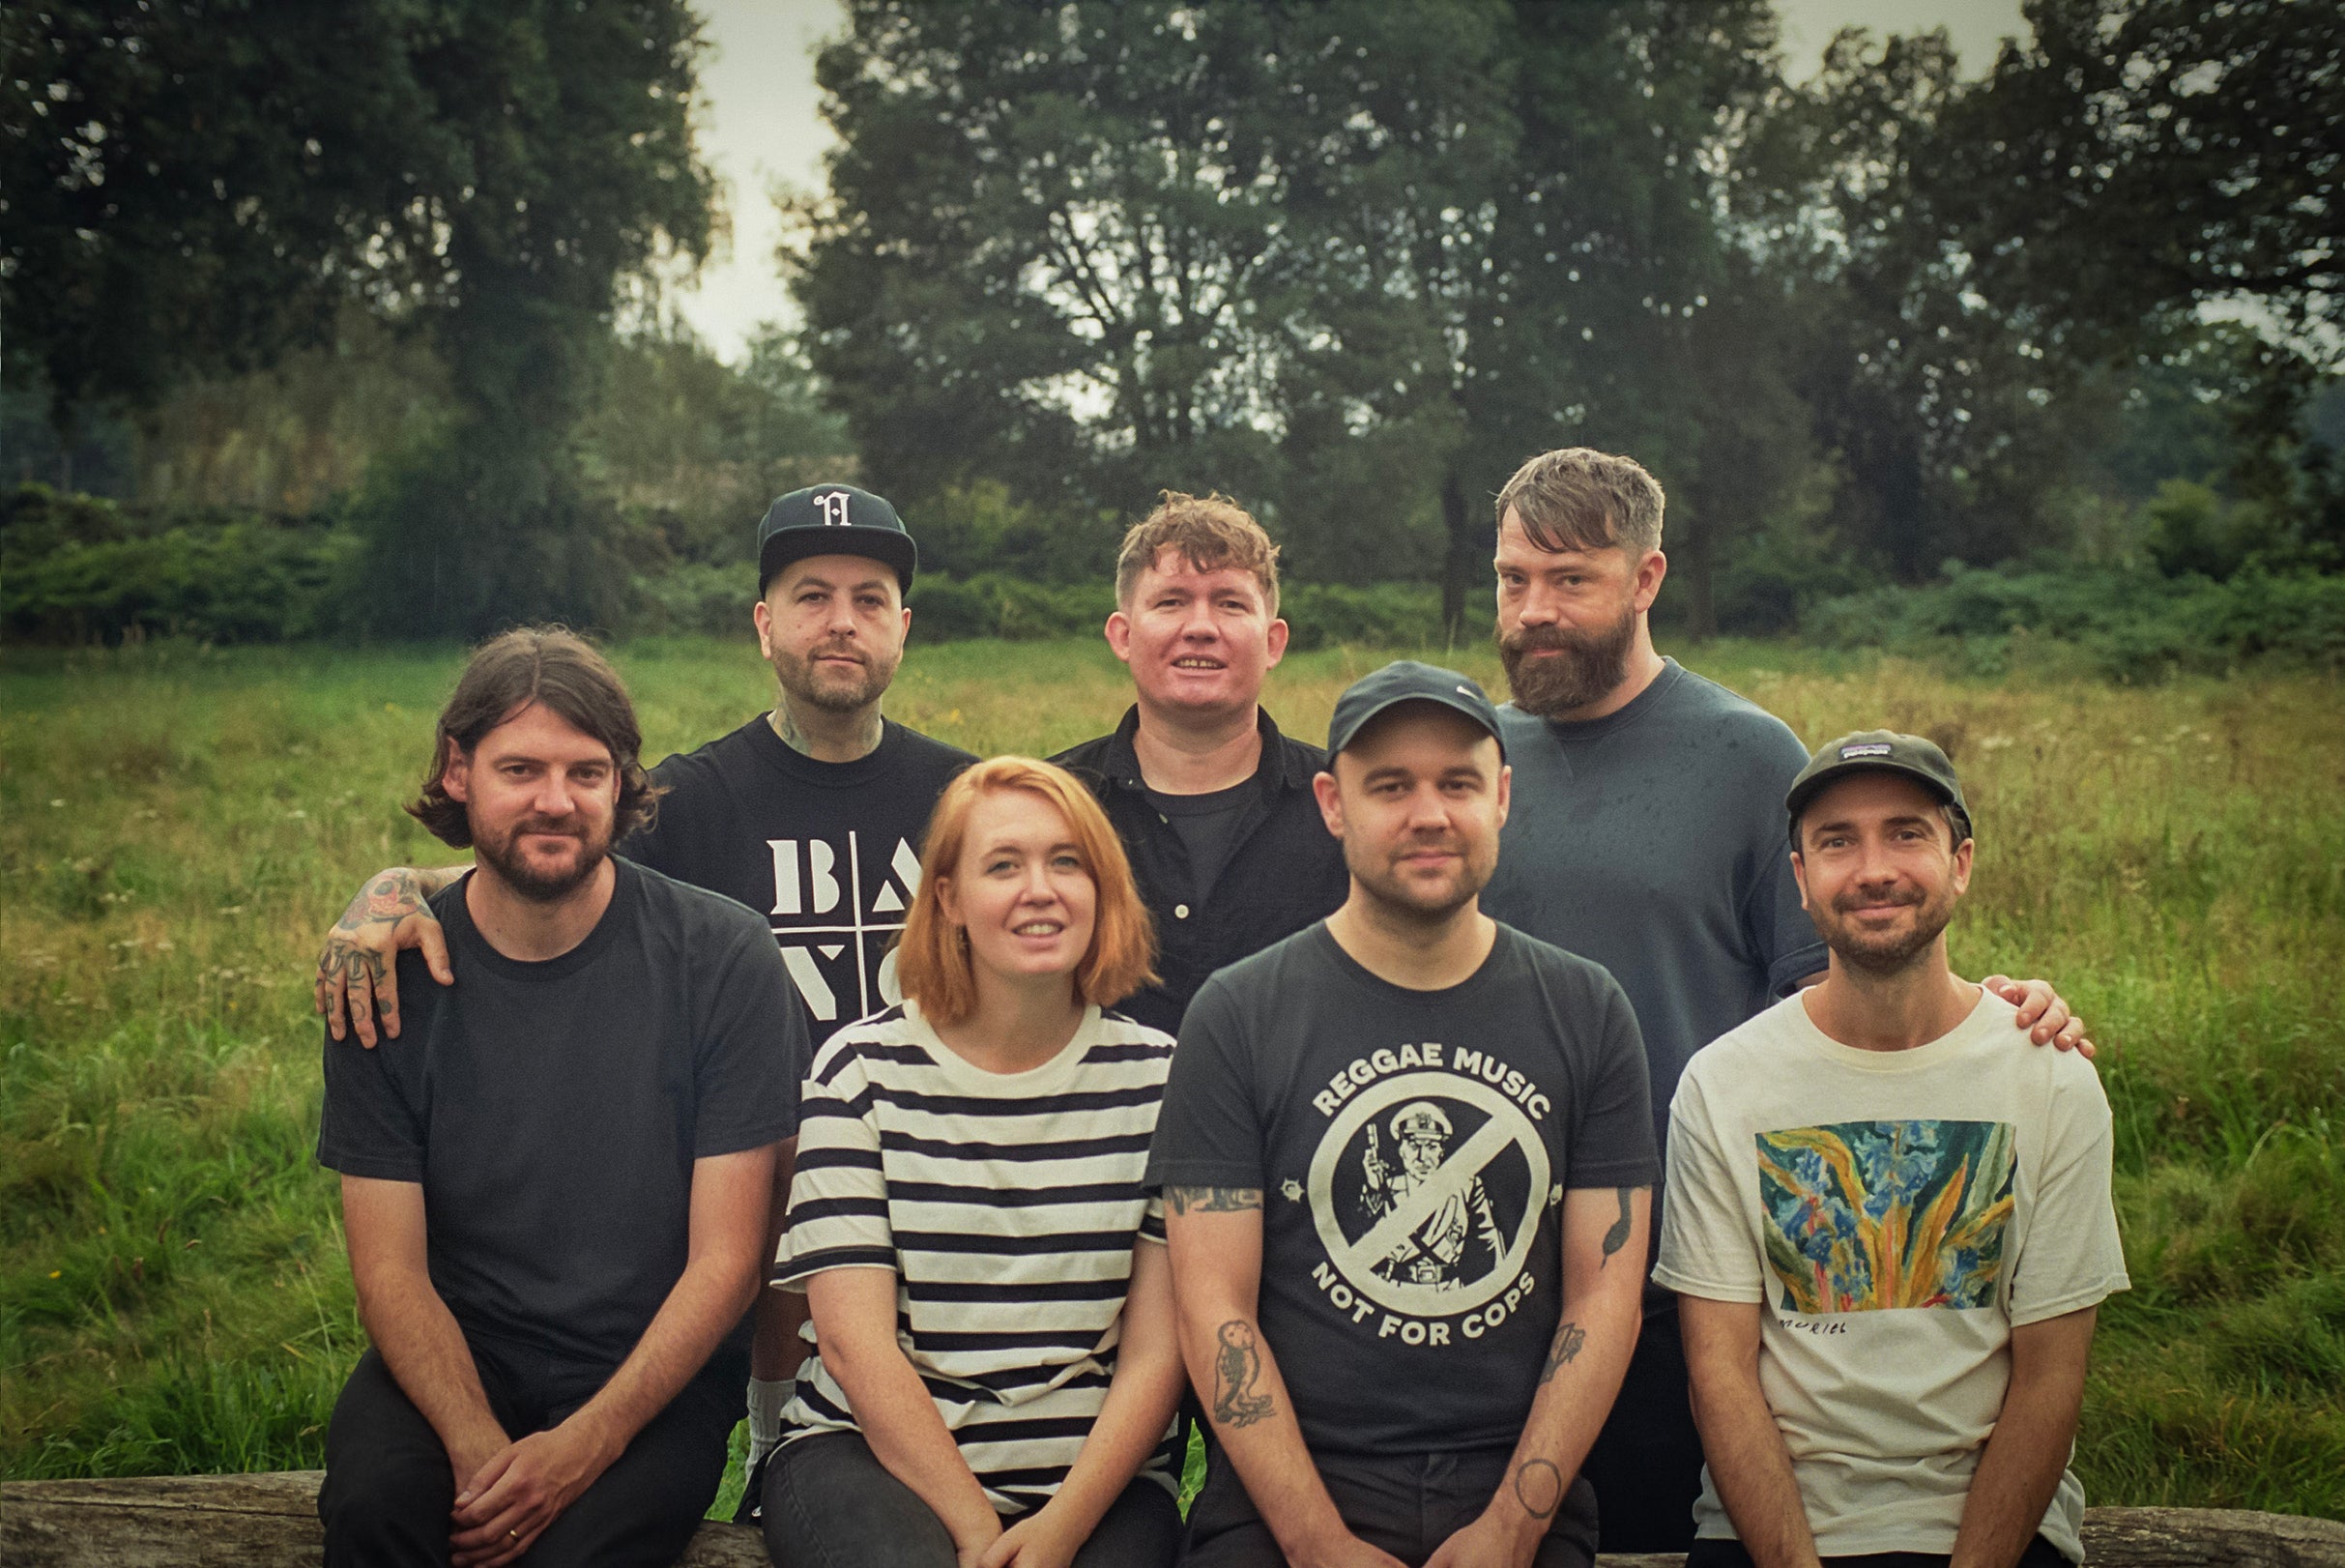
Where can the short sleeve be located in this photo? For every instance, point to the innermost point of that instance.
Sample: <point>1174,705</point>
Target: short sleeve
<point>659,845</point>
<point>753,1054</point>
<point>1209,1129</point>
<point>1152,1217</point>
<point>1612,1145</point>
<point>838,1194</point>
<point>2074,1256</point>
<point>1706,1245</point>
<point>368,1125</point>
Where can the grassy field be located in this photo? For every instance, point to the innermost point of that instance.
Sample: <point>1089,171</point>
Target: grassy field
<point>177,827</point>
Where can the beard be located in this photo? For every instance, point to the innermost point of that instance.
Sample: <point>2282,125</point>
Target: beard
<point>1888,952</point>
<point>1416,900</point>
<point>536,883</point>
<point>1580,667</point>
<point>831,690</point>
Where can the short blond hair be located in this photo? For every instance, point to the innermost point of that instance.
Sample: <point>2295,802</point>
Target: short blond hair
<point>932,961</point>
<point>1577,498</point>
<point>1210,533</point>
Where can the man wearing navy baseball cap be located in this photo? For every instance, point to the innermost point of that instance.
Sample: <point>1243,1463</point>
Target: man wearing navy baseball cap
<point>1407,1169</point>
<point>811,813</point>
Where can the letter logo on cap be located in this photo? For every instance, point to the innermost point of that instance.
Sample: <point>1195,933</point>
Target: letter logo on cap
<point>1870,749</point>
<point>833,508</point>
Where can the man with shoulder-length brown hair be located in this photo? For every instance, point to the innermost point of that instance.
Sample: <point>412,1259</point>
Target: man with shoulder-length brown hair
<point>554,1194</point>
<point>1212,804</point>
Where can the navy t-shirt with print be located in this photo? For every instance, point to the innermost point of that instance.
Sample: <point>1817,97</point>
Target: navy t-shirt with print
<point>1412,1148</point>
<point>552,1111</point>
<point>829,852</point>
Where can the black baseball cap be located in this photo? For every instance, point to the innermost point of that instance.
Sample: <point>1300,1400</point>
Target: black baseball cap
<point>833,519</point>
<point>1406,681</point>
<point>1882,751</point>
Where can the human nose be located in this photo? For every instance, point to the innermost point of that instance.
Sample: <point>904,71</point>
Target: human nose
<point>840,621</point>
<point>555,795</point>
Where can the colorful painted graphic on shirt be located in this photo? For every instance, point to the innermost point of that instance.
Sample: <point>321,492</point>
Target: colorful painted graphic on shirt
<point>1865,1216</point>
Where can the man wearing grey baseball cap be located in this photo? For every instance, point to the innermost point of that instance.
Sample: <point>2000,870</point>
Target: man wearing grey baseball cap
<point>1408,1167</point>
<point>811,813</point>
<point>1889,1219</point>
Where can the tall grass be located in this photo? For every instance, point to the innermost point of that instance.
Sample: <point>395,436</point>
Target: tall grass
<point>177,825</point>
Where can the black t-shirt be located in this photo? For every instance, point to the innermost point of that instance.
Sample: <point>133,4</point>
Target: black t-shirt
<point>829,852</point>
<point>1412,1148</point>
<point>1208,826</point>
<point>552,1111</point>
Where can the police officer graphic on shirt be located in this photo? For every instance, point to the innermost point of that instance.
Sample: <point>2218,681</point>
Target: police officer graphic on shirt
<point>1434,1252</point>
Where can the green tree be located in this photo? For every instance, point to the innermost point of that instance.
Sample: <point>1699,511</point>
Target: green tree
<point>193,183</point>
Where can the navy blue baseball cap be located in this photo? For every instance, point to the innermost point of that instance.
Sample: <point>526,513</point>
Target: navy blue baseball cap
<point>1406,681</point>
<point>833,519</point>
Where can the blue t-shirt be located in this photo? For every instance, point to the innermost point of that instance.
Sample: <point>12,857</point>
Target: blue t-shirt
<point>1652,841</point>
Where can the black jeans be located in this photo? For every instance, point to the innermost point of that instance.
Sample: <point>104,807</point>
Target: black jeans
<point>1407,1505</point>
<point>1717,1554</point>
<point>1647,1462</point>
<point>389,1488</point>
<point>830,1504</point>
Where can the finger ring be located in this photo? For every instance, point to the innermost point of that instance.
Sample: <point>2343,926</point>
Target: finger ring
<point>515,1534</point>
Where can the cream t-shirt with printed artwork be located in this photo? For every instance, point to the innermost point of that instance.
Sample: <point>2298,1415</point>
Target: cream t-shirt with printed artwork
<point>1897,1214</point>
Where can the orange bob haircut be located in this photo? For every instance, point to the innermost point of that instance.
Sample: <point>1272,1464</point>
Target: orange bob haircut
<point>932,961</point>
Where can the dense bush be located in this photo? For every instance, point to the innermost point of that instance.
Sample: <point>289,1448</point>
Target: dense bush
<point>2130,624</point>
<point>74,569</point>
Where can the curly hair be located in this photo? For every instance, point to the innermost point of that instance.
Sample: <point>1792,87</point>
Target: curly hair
<point>1209,533</point>
<point>551,665</point>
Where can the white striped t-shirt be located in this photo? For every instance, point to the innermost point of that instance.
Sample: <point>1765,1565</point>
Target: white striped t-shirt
<point>1008,1205</point>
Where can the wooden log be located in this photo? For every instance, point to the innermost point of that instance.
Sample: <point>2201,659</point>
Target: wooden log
<point>271,1522</point>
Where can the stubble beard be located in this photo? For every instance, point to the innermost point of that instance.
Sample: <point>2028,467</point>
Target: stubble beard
<point>502,855</point>
<point>1405,903</point>
<point>800,679</point>
<point>1887,957</point>
<point>1580,668</point>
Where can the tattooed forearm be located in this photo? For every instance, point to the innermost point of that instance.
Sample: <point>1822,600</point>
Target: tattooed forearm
<point>1539,1488</point>
<point>1568,1340</point>
<point>1214,1199</point>
<point>1237,1367</point>
<point>1617,1236</point>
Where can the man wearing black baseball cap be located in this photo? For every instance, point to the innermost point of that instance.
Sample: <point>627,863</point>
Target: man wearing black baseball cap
<point>811,813</point>
<point>1889,1220</point>
<point>1408,1168</point>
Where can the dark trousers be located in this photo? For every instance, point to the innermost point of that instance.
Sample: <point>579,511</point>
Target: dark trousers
<point>1716,1554</point>
<point>390,1486</point>
<point>830,1504</point>
<point>1647,1462</point>
<point>1405,1505</point>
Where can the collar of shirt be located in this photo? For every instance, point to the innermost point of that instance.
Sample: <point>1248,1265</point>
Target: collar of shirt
<point>1282,766</point>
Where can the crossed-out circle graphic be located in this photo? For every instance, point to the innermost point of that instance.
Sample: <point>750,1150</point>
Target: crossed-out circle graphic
<point>1448,1172</point>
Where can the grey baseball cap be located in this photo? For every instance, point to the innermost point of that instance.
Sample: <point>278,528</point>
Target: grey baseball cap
<point>833,519</point>
<point>1882,751</point>
<point>1406,681</point>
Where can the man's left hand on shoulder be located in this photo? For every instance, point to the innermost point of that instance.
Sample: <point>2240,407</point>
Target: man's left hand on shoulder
<point>2042,1013</point>
<point>516,1495</point>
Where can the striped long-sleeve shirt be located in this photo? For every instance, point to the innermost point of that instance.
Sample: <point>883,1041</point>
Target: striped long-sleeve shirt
<point>1008,1205</point>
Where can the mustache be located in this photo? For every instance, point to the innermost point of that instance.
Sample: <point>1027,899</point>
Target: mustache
<point>1554,639</point>
<point>1843,903</point>
<point>540,825</point>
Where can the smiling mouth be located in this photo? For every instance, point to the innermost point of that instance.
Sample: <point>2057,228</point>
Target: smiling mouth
<point>1037,928</point>
<point>1192,662</point>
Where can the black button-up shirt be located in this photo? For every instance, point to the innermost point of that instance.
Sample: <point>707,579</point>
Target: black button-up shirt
<point>1285,871</point>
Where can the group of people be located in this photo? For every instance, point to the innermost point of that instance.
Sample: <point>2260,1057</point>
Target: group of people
<point>980,1117</point>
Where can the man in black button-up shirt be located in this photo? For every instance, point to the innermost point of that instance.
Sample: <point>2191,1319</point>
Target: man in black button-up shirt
<point>1213,804</point>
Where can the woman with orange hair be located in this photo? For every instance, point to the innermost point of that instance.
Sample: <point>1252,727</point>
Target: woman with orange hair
<point>996,1369</point>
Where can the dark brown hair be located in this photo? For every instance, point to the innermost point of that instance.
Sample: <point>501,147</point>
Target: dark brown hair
<point>537,664</point>
<point>1576,498</point>
<point>1210,533</point>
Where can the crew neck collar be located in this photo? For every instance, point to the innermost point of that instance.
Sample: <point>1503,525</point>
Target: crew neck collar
<point>780,754</point>
<point>1979,1021</point>
<point>1637,707</point>
<point>1464,990</point>
<point>465,937</point>
<point>1043,1078</point>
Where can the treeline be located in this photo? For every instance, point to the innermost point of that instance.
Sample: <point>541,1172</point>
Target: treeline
<point>1350,262</point>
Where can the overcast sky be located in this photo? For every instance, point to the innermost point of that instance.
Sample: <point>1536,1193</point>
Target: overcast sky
<point>760,120</point>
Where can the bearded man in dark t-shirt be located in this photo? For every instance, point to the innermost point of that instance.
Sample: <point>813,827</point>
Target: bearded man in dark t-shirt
<point>811,814</point>
<point>1408,1171</point>
<point>555,1191</point>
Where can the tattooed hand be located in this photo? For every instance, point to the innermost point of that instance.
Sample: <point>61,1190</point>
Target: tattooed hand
<point>357,979</point>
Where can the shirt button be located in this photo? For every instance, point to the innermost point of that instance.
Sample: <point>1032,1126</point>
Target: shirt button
<point>1180,912</point>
